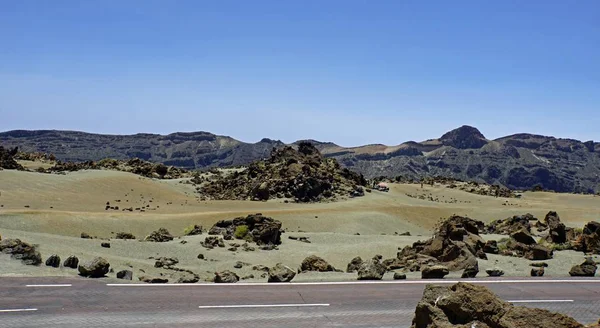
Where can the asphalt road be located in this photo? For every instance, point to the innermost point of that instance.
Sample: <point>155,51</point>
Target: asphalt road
<point>54,302</point>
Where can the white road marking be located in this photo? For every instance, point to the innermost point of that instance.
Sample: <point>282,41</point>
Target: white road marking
<point>17,310</point>
<point>405,282</point>
<point>49,285</point>
<point>541,301</point>
<point>251,306</point>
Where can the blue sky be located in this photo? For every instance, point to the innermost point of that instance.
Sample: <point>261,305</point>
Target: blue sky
<point>351,72</point>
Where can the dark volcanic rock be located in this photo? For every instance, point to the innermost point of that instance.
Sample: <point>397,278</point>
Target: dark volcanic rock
<point>354,264</point>
<point>491,247</point>
<point>585,269</point>
<point>125,275</point>
<point>589,240</point>
<point>303,174</point>
<point>260,229</point>
<point>524,237</point>
<point>7,160</point>
<point>20,250</point>
<point>95,268</point>
<point>399,276</point>
<point>281,273</point>
<point>160,236</point>
<point>153,280</point>
<point>165,262</point>
<point>226,277</point>
<point>71,262</point>
<point>557,233</point>
<point>537,272</point>
<point>315,263</point>
<point>466,305</point>
<point>465,137</point>
<point>471,271</point>
<point>53,261</point>
<point>212,242</point>
<point>510,225</point>
<point>371,270</point>
<point>124,235</point>
<point>434,272</point>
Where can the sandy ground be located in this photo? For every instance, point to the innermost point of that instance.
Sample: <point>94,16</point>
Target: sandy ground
<point>53,210</point>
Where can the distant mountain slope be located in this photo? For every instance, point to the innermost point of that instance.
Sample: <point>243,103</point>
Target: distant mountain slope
<point>519,161</point>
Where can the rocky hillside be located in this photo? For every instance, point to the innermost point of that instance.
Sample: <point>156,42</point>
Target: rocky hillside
<point>519,161</point>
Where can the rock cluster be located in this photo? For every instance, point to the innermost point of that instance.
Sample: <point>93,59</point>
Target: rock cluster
<point>510,225</point>
<point>135,166</point>
<point>7,160</point>
<point>303,175</point>
<point>256,227</point>
<point>467,305</point>
<point>589,240</point>
<point>21,250</point>
<point>161,235</point>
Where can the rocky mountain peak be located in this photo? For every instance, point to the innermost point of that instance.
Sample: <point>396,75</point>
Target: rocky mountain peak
<point>465,137</point>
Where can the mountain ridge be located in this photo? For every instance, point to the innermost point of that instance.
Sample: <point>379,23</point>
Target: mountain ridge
<point>518,161</point>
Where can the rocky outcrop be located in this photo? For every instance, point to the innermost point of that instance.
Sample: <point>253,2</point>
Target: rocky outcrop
<point>134,165</point>
<point>7,160</point>
<point>256,227</point>
<point>226,277</point>
<point>589,240</point>
<point>585,269</point>
<point>53,261</point>
<point>557,230</point>
<point>124,235</point>
<point>510,225</point>
<point>354,264</point>
<point>125,275</point>
<point>467,305</point>
<point>315,263</point>
<point>371,269</point>
<point>160,236</point>
<point>456,244</point>
<point>71,262</point>
<point>302,174</point>
<point>212,242</point>
<point>20,250</point>
<point>281,273</point>
<point>96,268</point>
<point>434,272</point>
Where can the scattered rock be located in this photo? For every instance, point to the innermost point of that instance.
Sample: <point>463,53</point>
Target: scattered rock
<point>467,305</point>
<point>250,276</point>
<point>238,265</point>
<point>124,235</point>
<point>153,280</point>
<point>399,276</point>
<point>301,239</point>
<point>20,250</point>
<point>434,272</point>
<point>491,247</point>
<point>537,272</point>
<point>84,235</point>
<point>105,244</point>
<point>95,268</point>
<point>260,268</point>
<point>281,273</point>
<point>371,269</point>
<point>165,262</point>
<point>539,264</point>
<point>523,236</point>
<point>471,271</point>
<point>226,277</point>
<point>557,233</point>
<point>494,272</point>
<point>188,278</point>
<point>315,263</point>
<point>71,262</point>
<point>160,236</point>
<point>585,269</point>
<point>354,264</point>
<point>53,261</point>
<point>125,275</point>
<point>193,230</point>
<point>212,242</point>
<point>201,257</point>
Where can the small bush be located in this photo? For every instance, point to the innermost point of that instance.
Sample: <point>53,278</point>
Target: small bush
<point>241,232</point>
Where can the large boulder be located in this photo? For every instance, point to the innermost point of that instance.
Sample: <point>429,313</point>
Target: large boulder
<point>466,305</point>
<point>471,271</point>
<point>434,272</point>
<point>354,264</point>
<point>589,240</point>
<point>281,273</point>
<point>585,269</point>
<point>260,229</point>
<point>557,230</point>
<point>53,261</point>
<point>226,277</point>
<point>21,250</point>
<point>523,236</point>
<point>160,236</point>
<point>371,270</point>
<point>71,262</point>
<point>96,268</point>
<point>315,263</point>
<point>491,247</point>
<point>125,275</point>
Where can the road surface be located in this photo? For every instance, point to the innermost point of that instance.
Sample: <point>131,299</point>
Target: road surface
<point>60,302</point>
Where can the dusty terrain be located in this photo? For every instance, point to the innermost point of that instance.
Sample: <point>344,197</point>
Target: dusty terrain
<point>52,210</point>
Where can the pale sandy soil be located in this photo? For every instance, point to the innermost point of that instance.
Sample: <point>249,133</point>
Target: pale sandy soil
<point>63,206</point>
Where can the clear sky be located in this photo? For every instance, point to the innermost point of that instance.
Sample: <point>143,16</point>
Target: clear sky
<point>351,72</point>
